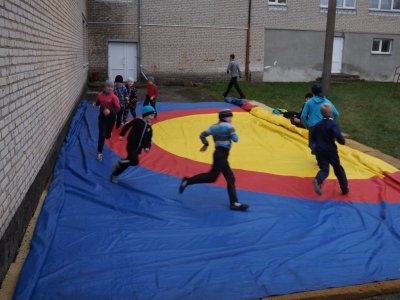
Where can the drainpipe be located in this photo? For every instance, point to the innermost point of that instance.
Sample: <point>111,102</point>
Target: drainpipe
<point>140,37</point>
<point>329,38</point>
<point>247,63</point>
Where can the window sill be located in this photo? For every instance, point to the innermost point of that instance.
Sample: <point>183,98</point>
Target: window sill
<point>379,12</point>
<point>380,53</point>
<point>345,11</point>
<point>277,7</point>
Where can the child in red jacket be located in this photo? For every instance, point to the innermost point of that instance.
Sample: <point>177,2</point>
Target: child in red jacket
<point>109,106</point>
<point>152,94</point>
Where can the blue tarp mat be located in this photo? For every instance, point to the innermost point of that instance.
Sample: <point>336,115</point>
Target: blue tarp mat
<point>140,239</point>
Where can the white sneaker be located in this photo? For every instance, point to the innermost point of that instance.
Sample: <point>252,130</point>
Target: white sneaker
<point>100,156</point>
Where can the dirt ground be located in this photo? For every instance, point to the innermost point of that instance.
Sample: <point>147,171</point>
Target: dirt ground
<point>388,290</point>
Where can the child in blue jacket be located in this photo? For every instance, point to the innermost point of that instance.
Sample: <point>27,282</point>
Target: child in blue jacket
<point>223,133</point>
<point>323,136</point>
<point>311,113</point>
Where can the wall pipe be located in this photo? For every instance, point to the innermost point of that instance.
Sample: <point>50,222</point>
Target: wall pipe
<point>247,62</point>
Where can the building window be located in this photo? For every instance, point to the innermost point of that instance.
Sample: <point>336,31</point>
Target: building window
<point>342,4</point>
<point>277,2</point>
<point>381,46</point>
<point>386,5</point>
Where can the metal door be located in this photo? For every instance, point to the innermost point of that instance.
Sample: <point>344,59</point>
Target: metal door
<point>337,55</point>
<point>122,59</point>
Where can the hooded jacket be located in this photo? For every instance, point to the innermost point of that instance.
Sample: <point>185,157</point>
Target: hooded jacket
<point>139,137</point>
<point>311,113</point>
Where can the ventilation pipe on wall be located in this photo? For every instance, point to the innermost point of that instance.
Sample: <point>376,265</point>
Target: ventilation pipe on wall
<point>139,9</point>
<point>247,63</point>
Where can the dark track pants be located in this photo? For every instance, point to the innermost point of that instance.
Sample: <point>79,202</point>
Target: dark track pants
<point>119,116</point>
<point>220,165</point>
<point>233,82</point>
<point>106,125</point>
<point>131,107</point>
<point>311,144</point>
<point>131,160</point>
<point>150,102</point>
<point>326,158</point>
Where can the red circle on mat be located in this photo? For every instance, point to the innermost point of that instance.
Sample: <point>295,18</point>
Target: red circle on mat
<point>372,190</point>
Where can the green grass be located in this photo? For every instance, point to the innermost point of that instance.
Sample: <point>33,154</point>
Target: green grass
<point>368,112</point>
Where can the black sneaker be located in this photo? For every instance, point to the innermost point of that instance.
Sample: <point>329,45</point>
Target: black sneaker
<point>183,185</point>
<point>114,179</point>
<point>317,187</point>
<point>345,191</point>
<point>239,206</point>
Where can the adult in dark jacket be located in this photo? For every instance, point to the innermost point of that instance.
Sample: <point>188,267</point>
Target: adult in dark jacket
<point>234,70</point>
<point>139,138</point>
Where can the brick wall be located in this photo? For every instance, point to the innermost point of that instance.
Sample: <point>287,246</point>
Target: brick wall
<point>180,39</point>
<point>192,39</point>
<point>42,73</point>
<point>307,15</point>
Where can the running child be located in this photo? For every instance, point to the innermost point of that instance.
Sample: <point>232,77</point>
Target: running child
<point>223,134</point>
<point>295,118</point>
<point>122,94</point>
<point>311,113</point>
<point>109,106</point>
<point>324,135</point>
<point>139,138</point>
<point>151,95</point>
<point>132,99</point>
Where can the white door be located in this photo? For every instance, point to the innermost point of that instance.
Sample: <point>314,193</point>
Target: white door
<point>122,60</point>
<point>337,55</point>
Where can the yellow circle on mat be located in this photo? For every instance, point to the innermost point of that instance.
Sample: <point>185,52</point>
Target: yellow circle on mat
<point>262,147</point>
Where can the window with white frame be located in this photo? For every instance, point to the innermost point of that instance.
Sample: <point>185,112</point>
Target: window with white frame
<point>387,5</point>
<point>277,2</point>
<point>381,46</point>
<point>346,4</point>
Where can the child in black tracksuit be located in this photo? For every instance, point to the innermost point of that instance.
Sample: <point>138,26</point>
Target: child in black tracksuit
<point>139,138</point>
<point>324,135</point>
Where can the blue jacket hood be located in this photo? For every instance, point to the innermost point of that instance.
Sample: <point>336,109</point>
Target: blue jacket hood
<point>311,114</point>
<point>318,99</point>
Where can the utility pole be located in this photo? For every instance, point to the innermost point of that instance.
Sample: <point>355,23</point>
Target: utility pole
<point>247,63</point>
<point>329,38</point>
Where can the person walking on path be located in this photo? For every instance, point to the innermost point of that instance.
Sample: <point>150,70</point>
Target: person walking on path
<point>234,70</point>
<point>109,106</point>
<point>223,134</point>
<point>324,135</point>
